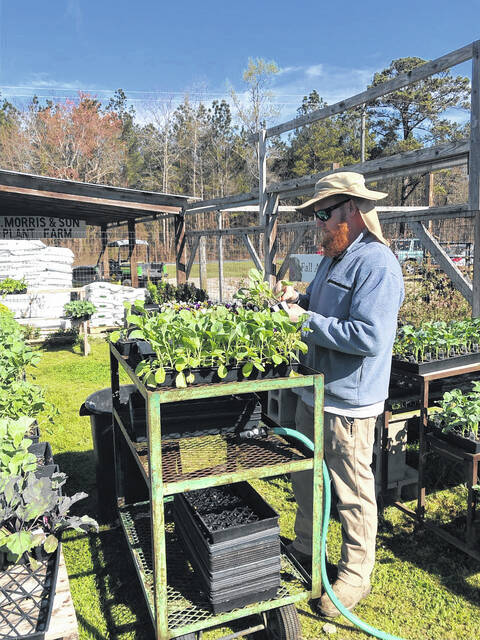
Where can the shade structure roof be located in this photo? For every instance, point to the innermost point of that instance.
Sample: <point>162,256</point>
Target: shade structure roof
<point>23,194</point>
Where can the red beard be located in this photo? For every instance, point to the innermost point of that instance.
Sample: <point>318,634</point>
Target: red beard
<point>334,242</point>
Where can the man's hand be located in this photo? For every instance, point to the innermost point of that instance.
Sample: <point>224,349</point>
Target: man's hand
<point>295,312</point>
<point>288,293</point>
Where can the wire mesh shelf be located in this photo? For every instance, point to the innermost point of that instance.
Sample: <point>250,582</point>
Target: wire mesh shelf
<point>206,456</point>
<point>187,603</point>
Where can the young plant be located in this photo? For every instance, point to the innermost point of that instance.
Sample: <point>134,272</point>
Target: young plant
<point>14,443</point>
<point>79,309</point>
<point>460,412</point>
<point>257,294</point>
<point>33,514</point>
<point>9,285</point>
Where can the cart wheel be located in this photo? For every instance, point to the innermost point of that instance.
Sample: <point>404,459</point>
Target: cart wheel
<point>283,623</point>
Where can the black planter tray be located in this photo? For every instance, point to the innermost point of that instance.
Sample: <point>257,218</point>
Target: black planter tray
<point>34,433</point>
<point>263,545</point>
<point>26,598</point>
<point>432,366</point>
<point>457,440</point>
<point>124,346</point>
<point>238,569</point>
<point>263,516</point>
<point>192,418</point>
<point>243,601</point>
<point>43,452</point>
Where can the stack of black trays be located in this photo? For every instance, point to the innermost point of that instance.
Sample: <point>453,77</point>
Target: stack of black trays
<point>193,418</point>
<point>231,537</point>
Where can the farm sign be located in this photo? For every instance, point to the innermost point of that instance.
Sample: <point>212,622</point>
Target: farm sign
<point>303,267</point>
<point>35,227</point>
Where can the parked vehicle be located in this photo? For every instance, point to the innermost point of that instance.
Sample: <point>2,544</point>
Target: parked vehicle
<point>119,266</point>
<point>409,252</point>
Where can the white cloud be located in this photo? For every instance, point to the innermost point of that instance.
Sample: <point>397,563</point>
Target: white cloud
<point>315,70</point>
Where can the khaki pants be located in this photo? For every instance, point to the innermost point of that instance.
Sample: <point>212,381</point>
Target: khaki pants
<point>348,455</point>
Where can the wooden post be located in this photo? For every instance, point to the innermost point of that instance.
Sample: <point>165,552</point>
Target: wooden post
<point>104,255</point>
<point>362,134</point>
<point>429,182</point>
<point>180,247</point>
<point>202,263</point>
<point>270,238</point>
<point>262,181</point>
<point>132,252</point>
<point>474,173</point>
<point>220,259</point>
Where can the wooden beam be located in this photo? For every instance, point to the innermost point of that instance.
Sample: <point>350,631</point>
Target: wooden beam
<point>217,204</point>
<point>233,231</point>
<point>297,241</point>
<point>132,252</point>
<point>104,257</point>
<point>220,258</point>
<point>402,80</point>
<point>251,250</point>
<point>270,237</point>
<point>442,259</point>
<point>180,248</point>
<point>373,170</point>
<point>474,173</point>
<point>262,176</point>
<point>70,187</point>
<point>191,257</point>
<point>202,266</point>
<point>423,213</point>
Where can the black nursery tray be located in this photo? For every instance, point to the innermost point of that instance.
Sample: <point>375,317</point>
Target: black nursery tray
<point>192,418</point>
<point>457,440</point>
<point>26,598</point>
<point>43,452</point>
<point>230,512</point>
<point>432,366</point>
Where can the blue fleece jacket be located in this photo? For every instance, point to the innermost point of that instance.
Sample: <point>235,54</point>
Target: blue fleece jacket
<point>353,304</point>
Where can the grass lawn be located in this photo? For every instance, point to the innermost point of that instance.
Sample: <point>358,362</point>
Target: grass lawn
<point>231,269</point>
<point>422,587</point>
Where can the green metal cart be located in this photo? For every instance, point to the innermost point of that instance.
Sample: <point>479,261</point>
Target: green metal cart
<point>177,466</point>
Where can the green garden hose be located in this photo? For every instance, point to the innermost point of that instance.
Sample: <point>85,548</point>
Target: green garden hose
<point>281,431</point>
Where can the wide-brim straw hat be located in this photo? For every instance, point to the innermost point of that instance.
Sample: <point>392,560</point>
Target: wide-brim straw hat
<point>351,184</point>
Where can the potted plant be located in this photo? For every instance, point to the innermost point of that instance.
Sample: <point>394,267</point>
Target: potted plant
<point>79,310</point>
<point>258,294</point>
<point>11,286</point>
<point>458,419</point>
<point>435,346</point>
<point>218,344</point>
<point>34,513</point>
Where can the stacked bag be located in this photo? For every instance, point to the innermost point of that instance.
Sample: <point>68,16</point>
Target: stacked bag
<point>231,538</point>
<point>109,300</point>
<point>41,266</point>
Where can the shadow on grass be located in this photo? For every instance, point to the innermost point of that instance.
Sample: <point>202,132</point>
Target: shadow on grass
<point>432,555</point>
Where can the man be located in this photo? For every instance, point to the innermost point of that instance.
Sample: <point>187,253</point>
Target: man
<point>352,307</point>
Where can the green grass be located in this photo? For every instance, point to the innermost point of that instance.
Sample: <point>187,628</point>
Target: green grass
<point>231,269</point>
<point>422,587</point>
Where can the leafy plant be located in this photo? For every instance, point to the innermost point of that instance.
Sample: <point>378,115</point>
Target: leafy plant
<point>23,398</point>
<point>165,292</point>
<point>14,455</point>
<point>79,309</point>
<point>33,514</point>
<point>217,337</point>
<point>9,285</point>
<point>437,340</point>
<point>459,412</point>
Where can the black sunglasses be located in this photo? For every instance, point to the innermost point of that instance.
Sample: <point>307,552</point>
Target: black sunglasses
<point>325,214</point>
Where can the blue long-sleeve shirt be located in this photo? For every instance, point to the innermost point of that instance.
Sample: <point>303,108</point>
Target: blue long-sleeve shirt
<point>352,305</point>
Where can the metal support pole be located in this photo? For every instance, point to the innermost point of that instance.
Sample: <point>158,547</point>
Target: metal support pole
<point>202,260</point>
<point>362,134</point>
<point>132,252</point>
<point>262,181</point>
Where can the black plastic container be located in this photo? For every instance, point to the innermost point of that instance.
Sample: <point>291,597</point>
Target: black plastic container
<point>264,517</point>
<point>43,452</point>
<point>98,406</point>
<point>192,418</point>
<point>432,366</point>
<point>456,439</point>
<point>124,346</point>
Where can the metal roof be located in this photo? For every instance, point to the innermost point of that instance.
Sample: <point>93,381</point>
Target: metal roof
<point>23,194</point>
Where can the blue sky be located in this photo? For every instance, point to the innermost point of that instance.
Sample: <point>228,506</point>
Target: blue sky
<point>161,50</point>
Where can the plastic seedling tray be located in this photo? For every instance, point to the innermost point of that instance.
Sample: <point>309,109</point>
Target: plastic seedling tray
<point>192,418</point>
<point>252,558</point>
<point>456,439</point>
<point>230,522</point>
<point>433,366</point>
<point>243,601</point>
